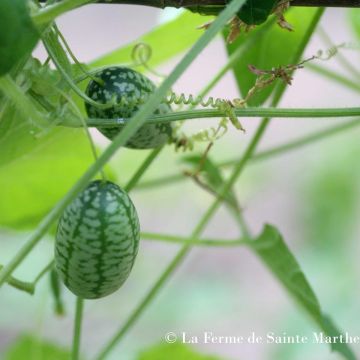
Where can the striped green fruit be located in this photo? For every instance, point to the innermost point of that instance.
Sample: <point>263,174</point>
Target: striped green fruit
<point>97,240</point>
<point>131,89</point>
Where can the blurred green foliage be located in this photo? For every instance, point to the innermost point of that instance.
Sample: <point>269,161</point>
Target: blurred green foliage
<point>29,348</point>
<point>31,184</point>
<point>354,17</point>
<point>332,196</point>
<point>175,351</point>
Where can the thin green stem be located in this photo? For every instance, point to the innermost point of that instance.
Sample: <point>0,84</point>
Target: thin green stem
<point>77,328</point>
<point>334,76</point>
<point>163,181</point>
<point>46,269</point>
<point>70,81</point>
<point>81,67</point>
<point>15,94</point>
<point>262,155</point>
<point>273,112</point>
<point>231,61</point>
<point>56,286</point>
<point>86,129</point>
<point>211,211</point>
<point>303,141</point>
<point>144,166</point>
<point>49,13</point>
<point>136,122</point>
<point>194,242</point>
<point>60,58</point>
<point>25,286</point>
<point>19,284</point>
<point>183,251</point>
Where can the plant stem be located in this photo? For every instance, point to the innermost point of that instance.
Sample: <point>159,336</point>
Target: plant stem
<point>211,211</point>
<point>336,77</point>
<point>67,77</point>
<point>184,250</point>
<point>15,94</point>
<point>49,13</point>
<point>296,144</point>
<point>46,269</point>
<point>256,112</point>
<point>231,61</point>
<point>165,180</point>
<point>20,285</point>
<point>221,3</point>
<point>262,155</point>
<point>25,286</point>
<point>139,118</point>
<point>59,56</point>
<point>144,166</point>
<point>194,242</point>
<point>77,328</point>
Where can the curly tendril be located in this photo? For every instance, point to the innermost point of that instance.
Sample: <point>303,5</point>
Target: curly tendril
<point>334,50</point>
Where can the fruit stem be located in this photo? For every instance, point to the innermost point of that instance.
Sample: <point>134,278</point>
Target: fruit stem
<point>194,242</point>
<point>77,328</point>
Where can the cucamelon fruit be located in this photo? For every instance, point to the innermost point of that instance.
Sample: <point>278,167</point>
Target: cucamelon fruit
<point>97,240</point>
<point>130,89</point>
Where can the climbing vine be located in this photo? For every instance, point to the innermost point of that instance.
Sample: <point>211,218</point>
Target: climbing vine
<point>97,225</point>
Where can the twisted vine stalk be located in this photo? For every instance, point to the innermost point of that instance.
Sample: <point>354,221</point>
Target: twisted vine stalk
<point>201,3</point>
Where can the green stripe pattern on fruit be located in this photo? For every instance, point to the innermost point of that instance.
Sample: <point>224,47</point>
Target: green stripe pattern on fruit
<point>97,240</point>
<point>129,89</point>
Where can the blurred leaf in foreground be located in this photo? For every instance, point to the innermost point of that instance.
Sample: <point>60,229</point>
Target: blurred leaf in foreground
<point>175,351</point>
<point>30,348</point>
<point>329,213</point>
<point>354,17</point>
<point>32,183</point>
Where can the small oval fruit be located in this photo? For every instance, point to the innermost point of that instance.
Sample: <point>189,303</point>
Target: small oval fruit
<point>131,89</point>
<point>97,240</point>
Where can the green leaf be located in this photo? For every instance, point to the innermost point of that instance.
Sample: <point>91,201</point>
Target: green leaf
<point>274,48</point>
<point>37,167</point>
<point>331,329</point>
<point>175,351</point>
<point>275,254</point>
<point>166,41</point>
<point>35,172</point>
<point>18,36</point>
<point>29,348</point>
<point>354,17</point>
<point>255,12</point>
